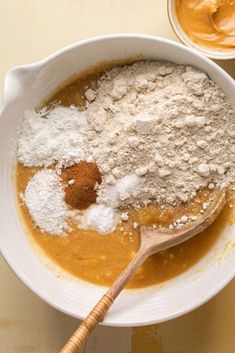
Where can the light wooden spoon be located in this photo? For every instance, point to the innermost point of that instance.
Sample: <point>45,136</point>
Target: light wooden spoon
<point>152,241</point>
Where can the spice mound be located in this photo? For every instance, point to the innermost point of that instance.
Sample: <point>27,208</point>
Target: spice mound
<point>81,181</point>
<point>150,133</point>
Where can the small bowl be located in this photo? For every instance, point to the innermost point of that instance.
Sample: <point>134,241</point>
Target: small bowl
<point>183,37</point>
<point>25,88</point>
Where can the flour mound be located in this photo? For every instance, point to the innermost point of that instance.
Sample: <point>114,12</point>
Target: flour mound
<point>168,124</point>
<point>44,198</point>
<point>50,136</point>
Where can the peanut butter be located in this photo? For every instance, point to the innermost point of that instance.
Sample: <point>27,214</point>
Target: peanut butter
<point>209,23</point>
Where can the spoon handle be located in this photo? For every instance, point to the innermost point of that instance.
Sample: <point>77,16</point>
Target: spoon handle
<point>100,309</point>
<point>84,330</point>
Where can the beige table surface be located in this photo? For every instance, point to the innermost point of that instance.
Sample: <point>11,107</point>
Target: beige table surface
<point>30,30</point>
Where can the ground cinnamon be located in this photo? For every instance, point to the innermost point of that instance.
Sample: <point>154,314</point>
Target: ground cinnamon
<point>81,180</point>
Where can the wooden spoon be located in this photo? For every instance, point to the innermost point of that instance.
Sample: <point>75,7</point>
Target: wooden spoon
<point>152,241</point>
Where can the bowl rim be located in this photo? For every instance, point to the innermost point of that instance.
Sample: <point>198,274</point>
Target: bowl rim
<point>183,37</point>
<point>218,286</point>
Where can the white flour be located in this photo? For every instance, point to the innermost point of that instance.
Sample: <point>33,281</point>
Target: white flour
<point>167,126</point>
<point>44,198</point>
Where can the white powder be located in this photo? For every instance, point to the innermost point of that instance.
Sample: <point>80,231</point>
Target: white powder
<point>99,217</point>
<point>44,198</point>
<point>123,189</point>
<point>50,136</point>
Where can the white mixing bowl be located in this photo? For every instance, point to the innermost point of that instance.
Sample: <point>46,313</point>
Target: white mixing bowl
<point>25,88</point>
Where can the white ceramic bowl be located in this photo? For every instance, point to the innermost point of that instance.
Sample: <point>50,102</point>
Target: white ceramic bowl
<point>26,87</point>
<point>183,37</point>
